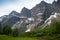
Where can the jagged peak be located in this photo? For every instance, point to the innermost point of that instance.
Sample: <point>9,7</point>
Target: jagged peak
<point>54,3</point>
<point>24,8</point>
<point>42,3</point>
<point>58,1</point>
<point>13,12</point>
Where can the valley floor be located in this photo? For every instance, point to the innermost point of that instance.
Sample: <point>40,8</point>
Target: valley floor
<point>4,37</point>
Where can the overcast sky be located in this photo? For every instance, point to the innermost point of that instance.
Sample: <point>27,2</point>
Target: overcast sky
<point>6,6</point>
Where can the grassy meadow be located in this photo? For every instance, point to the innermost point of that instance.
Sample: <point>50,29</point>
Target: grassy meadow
<point>5,37</point>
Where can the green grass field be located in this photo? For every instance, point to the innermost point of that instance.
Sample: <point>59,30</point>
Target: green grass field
<point>4,37</point>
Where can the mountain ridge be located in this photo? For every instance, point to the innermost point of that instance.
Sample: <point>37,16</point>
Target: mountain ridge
<point>40,13</point>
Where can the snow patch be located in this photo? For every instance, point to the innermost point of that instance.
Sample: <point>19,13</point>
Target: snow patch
<point>28,30</point>
<point>31,19</point>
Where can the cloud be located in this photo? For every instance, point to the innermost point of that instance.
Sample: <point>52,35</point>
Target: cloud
<point>49,1</point>
<point>9,8</point>
<point>6,6</point>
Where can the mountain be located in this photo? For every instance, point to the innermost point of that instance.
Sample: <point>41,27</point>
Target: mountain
<point>44,8</point>
<point>26,12</point>
<point>10,19</point>
<point>39,8</point>
<point>56,6</point>
<point>3,18</point>
<point>40,12</point>
<point>58,2</point>
<point>14,13</point>
<point>30,19</point>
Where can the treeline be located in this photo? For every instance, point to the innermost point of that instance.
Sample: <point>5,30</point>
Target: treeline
<point>7,30</point>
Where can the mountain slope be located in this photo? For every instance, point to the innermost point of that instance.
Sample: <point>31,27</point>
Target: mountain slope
<point>26,12</point>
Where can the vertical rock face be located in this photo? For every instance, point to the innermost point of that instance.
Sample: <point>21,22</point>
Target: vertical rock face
<point>57,6</point>
<point>44,8</point>
<point>39,8</point>
<point>58,2</point>
<point>26,12</point>
<point>48,11</point>
<point>54,4</point>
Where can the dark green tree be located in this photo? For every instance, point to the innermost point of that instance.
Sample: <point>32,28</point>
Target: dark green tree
<point>55,26</point>
<point>15,32</point>
<point>0,28</point>
<point>7,30</point>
